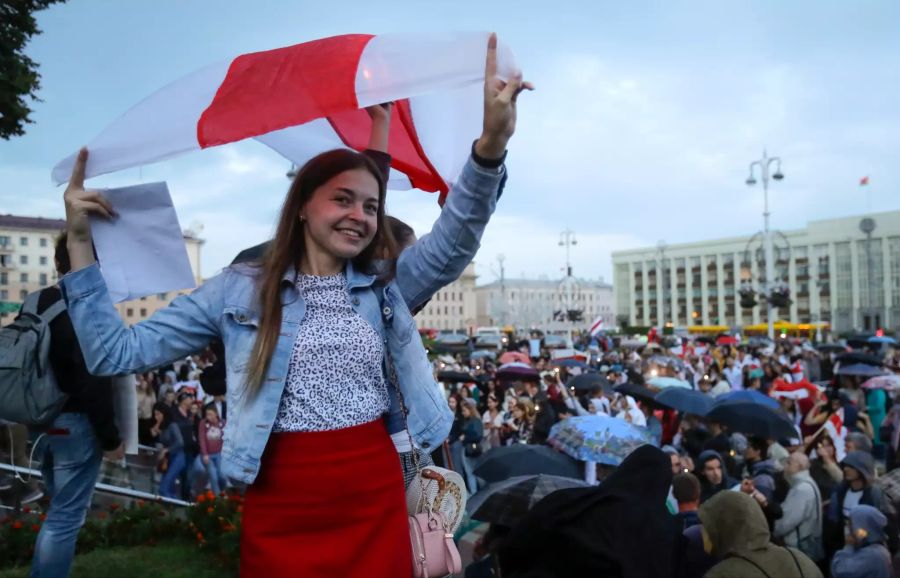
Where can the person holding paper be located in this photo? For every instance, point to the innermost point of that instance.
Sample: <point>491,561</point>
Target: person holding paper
<point>306,334</point>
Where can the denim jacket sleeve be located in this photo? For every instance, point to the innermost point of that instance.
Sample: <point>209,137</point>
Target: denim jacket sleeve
<point>188,324</point>
<point>439,257</point>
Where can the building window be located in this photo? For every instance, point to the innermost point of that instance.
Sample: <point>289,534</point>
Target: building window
<point>162,296</point>
<point>4,279</point>
<point>23,259</point>
<point>43,260</point>
<point>43,241</point>
<point>143,312</point>
<point>43,279</point>
<point>23,277</point>
<point>129,312</point>
<point>23,241</point>
<point>5,241</point>
<point>4,294</point>
<point>23,294</point>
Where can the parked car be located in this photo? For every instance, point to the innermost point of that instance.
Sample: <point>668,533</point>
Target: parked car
<point>451,343</point>
<point>493,342</point>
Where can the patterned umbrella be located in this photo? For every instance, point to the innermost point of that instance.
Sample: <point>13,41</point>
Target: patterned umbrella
<point>516,371</point>
<point>598,438</point>
<point>888,382</point>
<point>507,502</point>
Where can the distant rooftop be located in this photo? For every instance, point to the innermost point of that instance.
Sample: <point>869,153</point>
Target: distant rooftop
<point>37,223</point>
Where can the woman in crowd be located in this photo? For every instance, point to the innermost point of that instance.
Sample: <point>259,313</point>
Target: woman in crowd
<point>493,421</point>
<point>146,399</point>
<point>472,438</point>
<point>455,402</point>
<point>211,433</point>
<point>306,329</point>
<point>523,422</point>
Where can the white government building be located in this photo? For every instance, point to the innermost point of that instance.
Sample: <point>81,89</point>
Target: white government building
<point>826,266</point>
<point>26,264</point>
<point>453,307</point>
<point>531,303</point>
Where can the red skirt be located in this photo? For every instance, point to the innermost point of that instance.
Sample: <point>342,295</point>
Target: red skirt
<point>328,504</point>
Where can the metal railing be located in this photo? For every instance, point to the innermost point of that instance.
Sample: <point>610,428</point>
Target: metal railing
<point>105,488</point>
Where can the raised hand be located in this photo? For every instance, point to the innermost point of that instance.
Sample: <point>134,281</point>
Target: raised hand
<point>381,126</point>
<point>81,203</point>
<point>499,106</point>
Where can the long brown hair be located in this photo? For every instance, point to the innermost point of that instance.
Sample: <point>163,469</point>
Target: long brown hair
<point>288,247</point>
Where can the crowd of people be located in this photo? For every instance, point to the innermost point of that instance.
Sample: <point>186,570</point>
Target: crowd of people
<point>829,494</point>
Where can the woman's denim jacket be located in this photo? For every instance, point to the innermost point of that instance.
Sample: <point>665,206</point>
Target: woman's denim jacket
<point>225,307</point>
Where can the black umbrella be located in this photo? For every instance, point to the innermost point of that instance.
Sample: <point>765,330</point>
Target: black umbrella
<point>860,370</point>
<point>754,419</point>
<point>507,502</point>
<point>859,357</point>
<point>636,391</point>
<point>685,400</point>
<point>832,348</point>
<point>522,460</point>
<point>587,382</point>
<point>455,377</point>
<point>705,339</point>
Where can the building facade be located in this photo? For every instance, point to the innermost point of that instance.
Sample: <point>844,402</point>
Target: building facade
<point>453,307</point>
<point>27,246</point>
<point>827,267</point>
<point>531,303</point>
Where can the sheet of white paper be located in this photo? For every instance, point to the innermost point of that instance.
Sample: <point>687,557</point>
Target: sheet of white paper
<point>125,407</point>
<point>142,250</point>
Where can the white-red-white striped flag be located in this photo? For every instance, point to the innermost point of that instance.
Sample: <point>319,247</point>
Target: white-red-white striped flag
<point>308,98</point>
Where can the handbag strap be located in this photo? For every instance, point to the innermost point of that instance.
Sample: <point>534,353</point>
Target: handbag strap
<point>387,315</point>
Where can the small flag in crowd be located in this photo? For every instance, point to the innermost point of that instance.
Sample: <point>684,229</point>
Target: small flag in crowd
<point>597,326</point>
<point>864,181</point>
<point>837,432</point>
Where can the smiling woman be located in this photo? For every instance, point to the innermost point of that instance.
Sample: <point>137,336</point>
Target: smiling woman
<point>322,315</point>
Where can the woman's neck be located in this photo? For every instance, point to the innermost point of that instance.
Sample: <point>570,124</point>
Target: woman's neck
<point>320,263</point>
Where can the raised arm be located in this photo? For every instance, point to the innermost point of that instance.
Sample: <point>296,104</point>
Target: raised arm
<point>108,346</point>
<point>439,257</point>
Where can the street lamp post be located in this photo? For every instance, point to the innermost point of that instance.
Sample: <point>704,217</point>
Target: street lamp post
<point>567,240</point>
<point>764,165</point>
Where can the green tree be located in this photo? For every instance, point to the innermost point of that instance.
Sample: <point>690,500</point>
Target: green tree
<point>19,78</point>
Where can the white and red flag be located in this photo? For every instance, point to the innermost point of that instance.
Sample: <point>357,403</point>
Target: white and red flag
<point>308,98</point>
<point>838,433</point>
<point>597,326</point>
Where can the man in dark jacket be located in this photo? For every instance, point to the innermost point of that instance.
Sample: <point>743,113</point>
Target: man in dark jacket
<point>71,449</point>
<point>545,415</point>
<point>712,475</point>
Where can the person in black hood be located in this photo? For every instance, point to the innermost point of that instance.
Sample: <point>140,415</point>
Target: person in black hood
<point>856,489</point>
<point>713,475</point>
<point>601,531</point>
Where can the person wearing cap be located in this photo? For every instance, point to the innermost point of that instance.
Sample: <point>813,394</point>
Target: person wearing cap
<point>864,554</point>
<point>856,489</point>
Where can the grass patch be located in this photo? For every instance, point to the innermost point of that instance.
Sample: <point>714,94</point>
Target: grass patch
<point>170,560</point>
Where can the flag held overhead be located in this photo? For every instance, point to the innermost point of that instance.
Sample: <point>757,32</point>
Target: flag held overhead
<point>305,99</point>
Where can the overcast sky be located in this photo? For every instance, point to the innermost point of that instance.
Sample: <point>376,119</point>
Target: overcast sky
<point>644,120</point>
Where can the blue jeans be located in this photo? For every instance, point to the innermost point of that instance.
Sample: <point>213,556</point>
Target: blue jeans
<point>217,480</point>
<point>456,456</point>
<point>177,463</point>
<point>469,467</point>
<point>70,464</point>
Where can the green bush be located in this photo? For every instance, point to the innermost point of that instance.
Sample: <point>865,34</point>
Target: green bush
<point>212,524</point>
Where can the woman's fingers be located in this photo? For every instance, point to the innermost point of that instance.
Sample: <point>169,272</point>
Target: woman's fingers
<point>92,207</point>
<point>76,181</point>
